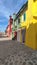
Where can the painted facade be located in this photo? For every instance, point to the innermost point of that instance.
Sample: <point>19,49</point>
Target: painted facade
<point>31,24</point>
<point>20,23</point>
<point>14,27</point>
<point>9,27</point>
<point>26,18</point>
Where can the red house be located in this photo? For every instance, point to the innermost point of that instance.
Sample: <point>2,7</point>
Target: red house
<point>9,27</point>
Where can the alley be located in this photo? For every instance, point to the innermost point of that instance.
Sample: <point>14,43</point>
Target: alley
<point>15,53</point>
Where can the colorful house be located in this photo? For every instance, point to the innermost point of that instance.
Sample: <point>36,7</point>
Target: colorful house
<point>31,24</point>
<point>13,27</point>
<point>9,27</point>
<point>7,30</point>
<point>26,19</point>
<point>20,23</point>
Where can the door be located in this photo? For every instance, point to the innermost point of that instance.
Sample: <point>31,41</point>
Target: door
<point>18,36</point>
<point>23,32</point>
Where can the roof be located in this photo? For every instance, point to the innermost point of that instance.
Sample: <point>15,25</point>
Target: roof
<point>23,8</point>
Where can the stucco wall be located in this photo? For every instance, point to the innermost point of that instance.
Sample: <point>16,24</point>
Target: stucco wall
<point>31,26</point>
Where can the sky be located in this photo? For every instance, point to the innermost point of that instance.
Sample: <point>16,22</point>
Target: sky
<point>7,8</point>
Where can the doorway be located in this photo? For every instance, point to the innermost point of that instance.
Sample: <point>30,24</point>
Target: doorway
<point>23,33</point>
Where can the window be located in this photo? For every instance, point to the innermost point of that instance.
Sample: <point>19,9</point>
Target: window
<point>15,23</point>
<point>24,16</point>
<point>18,20</point>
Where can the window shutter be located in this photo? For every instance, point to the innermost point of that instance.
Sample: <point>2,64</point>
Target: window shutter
<point>24,16</point>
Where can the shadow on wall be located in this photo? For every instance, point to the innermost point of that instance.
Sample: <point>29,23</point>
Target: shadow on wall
<point>23,33</point>
<point>31,36</point>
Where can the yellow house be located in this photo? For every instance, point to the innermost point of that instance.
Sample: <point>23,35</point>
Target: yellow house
<point>20,21</point>
<point>29,9</point>
<point>31,25</point>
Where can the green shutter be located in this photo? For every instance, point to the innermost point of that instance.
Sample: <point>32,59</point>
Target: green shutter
<point>24,16</point>
<point>19,21</point>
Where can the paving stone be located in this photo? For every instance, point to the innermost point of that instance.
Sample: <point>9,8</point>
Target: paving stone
<point>3,61</point>
<point>26,59</point>
<point>20,61</point>
<point>34,61</point>
<point>6,63</point>
<point>16,62</point>
<point>0,60</point>
<point>36,64</point>
<point>11,63</point>
<point>18,54</point>
<point>30,63</point>
<point>24,63</point>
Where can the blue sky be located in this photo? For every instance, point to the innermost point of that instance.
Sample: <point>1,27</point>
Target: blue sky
<point>7,8</point>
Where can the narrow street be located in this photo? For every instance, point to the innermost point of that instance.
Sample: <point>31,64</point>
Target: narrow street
<point>18,32</point>
<point>15,53</point>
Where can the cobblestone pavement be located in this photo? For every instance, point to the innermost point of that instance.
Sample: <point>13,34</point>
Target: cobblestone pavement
<point>14,53</point>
